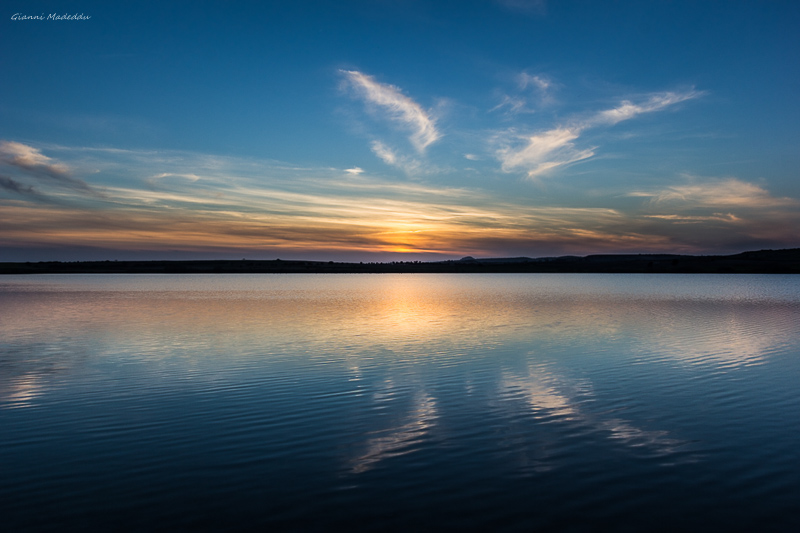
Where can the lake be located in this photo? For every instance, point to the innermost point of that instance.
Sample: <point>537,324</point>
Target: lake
<point>400,402</point>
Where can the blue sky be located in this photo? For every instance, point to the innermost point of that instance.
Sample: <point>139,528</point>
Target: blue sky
<point>383,130</point>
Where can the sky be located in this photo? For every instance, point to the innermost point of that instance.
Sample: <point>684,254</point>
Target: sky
<point>383,130</point>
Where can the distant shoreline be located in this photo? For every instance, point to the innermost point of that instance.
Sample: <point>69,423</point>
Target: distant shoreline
<point>756,262</point>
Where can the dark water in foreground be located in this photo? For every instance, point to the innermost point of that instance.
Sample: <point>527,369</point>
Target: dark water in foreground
<point>400,402</point>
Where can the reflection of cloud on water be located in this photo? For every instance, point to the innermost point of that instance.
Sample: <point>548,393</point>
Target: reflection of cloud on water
<point>399,440</point>
<point>656,441</point>
<point>731,341</point>
<point>545,396</point>
<point>542,397</point>
<point>31,368</point>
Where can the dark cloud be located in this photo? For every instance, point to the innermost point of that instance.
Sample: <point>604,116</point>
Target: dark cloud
<point>15,186</point>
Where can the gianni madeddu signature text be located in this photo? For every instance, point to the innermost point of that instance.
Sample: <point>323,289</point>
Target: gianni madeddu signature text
<point>51,16</point>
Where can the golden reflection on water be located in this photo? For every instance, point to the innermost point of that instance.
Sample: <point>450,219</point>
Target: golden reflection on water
<point>402,313</point>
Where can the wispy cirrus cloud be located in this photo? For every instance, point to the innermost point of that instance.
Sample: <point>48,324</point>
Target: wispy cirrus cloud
<point>386,154</point>
<point>540,152</point>
<point>398,108</point>
<point>31,160</point>
<point>628,110</point>
<point>541,82</point>
<point>728,193</point>
<point>532,91</point>
<point>407,164</point>
<point>189,177</point>
<point>33,164</point>
<point>512,105</point>
<point>259,207</point>
<point>297,210</point>
<point>724,212</point>
<point>543,152</point>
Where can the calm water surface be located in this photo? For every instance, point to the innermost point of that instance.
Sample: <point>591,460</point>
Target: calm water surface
<point>399,402</point>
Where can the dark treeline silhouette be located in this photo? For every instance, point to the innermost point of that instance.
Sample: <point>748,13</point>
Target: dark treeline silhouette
<point>757,262</point>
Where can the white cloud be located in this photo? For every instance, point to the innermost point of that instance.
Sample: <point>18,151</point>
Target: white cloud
<point>547,150</point>
<point>526,80</point>
<point>533,93</point>
<point>384,152</point>
<point>539,147</point>
<point>399,108</point>
<point>543,152</point>
<point>188,177</point>
<point>409,165</point>
<point>34,164</point>
<point>30,159</point>
<point>725,193</point>
<point>355,170</point>
<point>691,219</point>
<point>514,105</point>
<point>628,110</point>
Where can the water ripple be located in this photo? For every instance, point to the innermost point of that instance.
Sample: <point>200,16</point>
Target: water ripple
<point>309,402</point>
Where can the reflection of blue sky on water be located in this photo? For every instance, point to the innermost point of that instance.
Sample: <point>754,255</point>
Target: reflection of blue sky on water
<point>393,367</point>
<point>299,396</point>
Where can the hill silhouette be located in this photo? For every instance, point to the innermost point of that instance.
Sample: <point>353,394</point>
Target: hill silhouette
<point>754,262</point>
